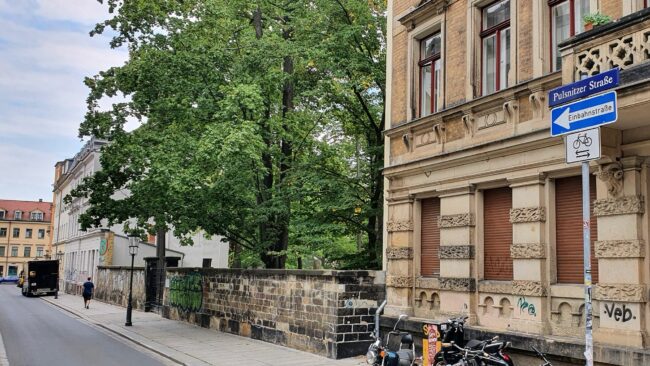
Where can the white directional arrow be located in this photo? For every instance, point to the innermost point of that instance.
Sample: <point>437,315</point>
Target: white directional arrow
<point>567,117</point>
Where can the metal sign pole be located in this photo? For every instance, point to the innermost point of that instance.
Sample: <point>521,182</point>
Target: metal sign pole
<point>586,220</point>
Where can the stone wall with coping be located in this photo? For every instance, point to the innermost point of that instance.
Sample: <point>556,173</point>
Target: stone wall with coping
<point>319,311</point>
<point>112,285</point>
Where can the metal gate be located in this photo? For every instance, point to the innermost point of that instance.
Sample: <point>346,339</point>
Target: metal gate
<point>154,284</point>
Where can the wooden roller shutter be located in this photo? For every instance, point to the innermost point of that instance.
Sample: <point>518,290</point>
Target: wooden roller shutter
<point>568,230</point>
<point>430,237</point>
<point>497,234</point>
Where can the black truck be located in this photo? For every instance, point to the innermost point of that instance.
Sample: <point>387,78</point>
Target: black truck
<point>40,277</point>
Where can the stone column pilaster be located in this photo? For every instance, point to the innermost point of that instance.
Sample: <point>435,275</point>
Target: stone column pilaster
<point>457,252</point>
<point>399,253</point>
<point>620,297</point>
<point>528,252</point>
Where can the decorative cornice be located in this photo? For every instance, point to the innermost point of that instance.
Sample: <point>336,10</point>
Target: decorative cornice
<point>619,206</point>
<point>427,283</point>
<point>394,225</point>
<point>456,252</point>
<point>528,288</point>
<point>457,284</point>
<point>620,249</point>
<point>399,281</point>
<point>620,293</point>
<point>460,220</point>
<point>527,214</point>
<point>393,253</point>
<point>528,251</point>
<point>495,287</point>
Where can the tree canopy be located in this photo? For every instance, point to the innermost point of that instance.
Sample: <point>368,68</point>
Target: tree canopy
<point>261,121</point>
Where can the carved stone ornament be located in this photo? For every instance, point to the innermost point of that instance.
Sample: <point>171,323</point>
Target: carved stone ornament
<point>427,283</point>
<point>500,287</point>
<point>536,100</point>
<point>460,220</point>
<point>620,249</point>
<point>528,251</point>
<point>528,288</point>
<point>468,123</point>
<point>612,175</point>
<point>510,111</point>
<point>457,284</point>
<point>395,225</point>
<point>456,252</point>
<point>527,214</point>
<point>621,293</point>
<point>393,253</point>
<point>399,281</point>
<point>619,206</point>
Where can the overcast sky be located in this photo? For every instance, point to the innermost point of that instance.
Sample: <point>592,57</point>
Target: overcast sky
<point>45,52</point>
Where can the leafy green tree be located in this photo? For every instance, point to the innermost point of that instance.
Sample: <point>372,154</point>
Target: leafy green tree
<point>260,121</point>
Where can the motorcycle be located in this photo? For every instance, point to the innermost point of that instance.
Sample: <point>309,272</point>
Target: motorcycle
<point>474,356</point>
<point>379,354</point>
<point>453,332</point>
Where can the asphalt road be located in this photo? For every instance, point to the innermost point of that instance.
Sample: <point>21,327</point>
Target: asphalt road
<point>36,333</point>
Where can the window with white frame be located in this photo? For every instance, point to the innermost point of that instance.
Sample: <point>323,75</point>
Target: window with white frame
<point>2,214</point>
<point>566,22</point>
<point>36,215</point>
<point>41,233</point>
<point>39,251</point>
<point>430,74</point>
<point>28,233</point>
<point>18,215</point>
<point>495,46</point>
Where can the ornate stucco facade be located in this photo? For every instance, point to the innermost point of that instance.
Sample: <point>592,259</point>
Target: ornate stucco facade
<point>477,142</point>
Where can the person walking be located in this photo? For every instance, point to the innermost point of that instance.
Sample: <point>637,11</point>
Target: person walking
<point>89,287</point>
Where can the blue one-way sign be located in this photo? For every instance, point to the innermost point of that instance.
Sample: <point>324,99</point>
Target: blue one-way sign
<point>587,113</point>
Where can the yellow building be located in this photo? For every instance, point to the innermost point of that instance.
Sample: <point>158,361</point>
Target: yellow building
<point>24,234</point>
<point>483,215</point>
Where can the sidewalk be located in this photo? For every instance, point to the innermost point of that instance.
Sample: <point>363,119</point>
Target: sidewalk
<point>188,344</point>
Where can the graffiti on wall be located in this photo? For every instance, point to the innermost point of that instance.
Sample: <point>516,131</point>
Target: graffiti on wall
<point>186,291</point>
<point>106,250</point>
<point>620,313</point>
<point>526,307</point>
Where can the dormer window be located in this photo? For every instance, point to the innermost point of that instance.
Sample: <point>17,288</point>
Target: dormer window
<point>36,216</point>
<point>2,214</point>
<point>18,215</point>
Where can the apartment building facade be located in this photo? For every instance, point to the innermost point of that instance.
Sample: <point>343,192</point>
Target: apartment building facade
<point>483,215</point>
<point>82,251</point>
<point>24,234</point>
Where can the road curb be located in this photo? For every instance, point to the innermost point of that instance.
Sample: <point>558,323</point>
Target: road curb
<point>4,360</point>
<point>114,331</point>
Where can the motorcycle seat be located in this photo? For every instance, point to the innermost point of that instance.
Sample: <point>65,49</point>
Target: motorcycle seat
<point>405,357</point>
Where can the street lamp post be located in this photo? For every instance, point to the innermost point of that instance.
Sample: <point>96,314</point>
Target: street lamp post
<point>134,242</point>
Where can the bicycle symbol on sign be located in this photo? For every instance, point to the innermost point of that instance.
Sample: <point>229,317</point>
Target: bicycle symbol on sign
<point>582,139</point>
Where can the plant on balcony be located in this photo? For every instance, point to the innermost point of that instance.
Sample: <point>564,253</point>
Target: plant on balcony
<point>595,19</point>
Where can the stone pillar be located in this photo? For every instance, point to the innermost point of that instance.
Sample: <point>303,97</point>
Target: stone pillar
<point>621,294</point>
<point>528,252</point>
<point>400,269</point>
<point>457,239</point>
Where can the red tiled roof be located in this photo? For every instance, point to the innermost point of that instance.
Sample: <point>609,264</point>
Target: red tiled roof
<point>10,206</point>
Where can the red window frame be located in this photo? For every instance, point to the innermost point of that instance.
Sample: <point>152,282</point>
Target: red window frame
<point>428,62</point>
<point>572,23</point>
<point>496,30</point>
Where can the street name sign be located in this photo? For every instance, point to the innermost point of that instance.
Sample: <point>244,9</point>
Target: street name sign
<point>583,146</point>
<point>583,88</point>
<point>584,114</point>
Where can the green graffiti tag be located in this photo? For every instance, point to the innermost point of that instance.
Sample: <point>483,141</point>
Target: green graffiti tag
<point>186,292</point>
<point>526,306</point>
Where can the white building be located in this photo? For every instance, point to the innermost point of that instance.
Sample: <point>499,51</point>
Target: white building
<point>83,251</point>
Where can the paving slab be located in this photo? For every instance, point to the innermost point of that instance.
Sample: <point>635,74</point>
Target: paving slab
<point>187,344</point>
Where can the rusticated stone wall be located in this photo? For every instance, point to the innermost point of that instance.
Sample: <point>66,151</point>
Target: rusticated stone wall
<point>324,312</point>
<point>112,285</point>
